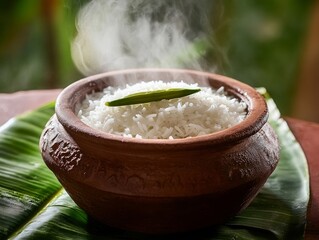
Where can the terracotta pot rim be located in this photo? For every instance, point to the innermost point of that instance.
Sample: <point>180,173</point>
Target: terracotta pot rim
<point>256,118</point>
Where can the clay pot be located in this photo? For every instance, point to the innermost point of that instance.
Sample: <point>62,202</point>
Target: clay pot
<point>160,186</point>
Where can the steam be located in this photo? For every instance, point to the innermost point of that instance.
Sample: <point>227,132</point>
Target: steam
<point>119,34</point>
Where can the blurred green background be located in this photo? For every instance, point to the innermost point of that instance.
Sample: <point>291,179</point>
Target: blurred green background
<point>259,42</point>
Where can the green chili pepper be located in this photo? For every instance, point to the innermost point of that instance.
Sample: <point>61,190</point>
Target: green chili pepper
<point>152,96</point>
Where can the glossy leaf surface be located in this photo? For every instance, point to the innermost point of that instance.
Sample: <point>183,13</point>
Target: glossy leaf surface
<point>33,205</point>
<point>152,96</point>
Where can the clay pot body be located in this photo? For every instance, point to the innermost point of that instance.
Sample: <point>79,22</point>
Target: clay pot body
<point>160,186</point>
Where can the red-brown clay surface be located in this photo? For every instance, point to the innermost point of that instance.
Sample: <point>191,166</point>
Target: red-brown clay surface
<point>160,186</point>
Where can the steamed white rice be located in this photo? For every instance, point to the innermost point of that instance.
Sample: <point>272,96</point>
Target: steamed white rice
<point>201,113</point>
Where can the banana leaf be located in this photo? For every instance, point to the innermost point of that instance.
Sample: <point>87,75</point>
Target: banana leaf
<point>33,204</point>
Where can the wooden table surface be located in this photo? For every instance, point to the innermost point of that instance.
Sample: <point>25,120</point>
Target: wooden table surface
<point>307,134</point>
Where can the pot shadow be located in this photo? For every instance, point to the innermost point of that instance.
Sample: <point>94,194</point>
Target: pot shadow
<point>99,231</point>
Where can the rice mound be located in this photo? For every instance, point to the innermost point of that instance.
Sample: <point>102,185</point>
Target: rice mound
<point>198,114</point>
